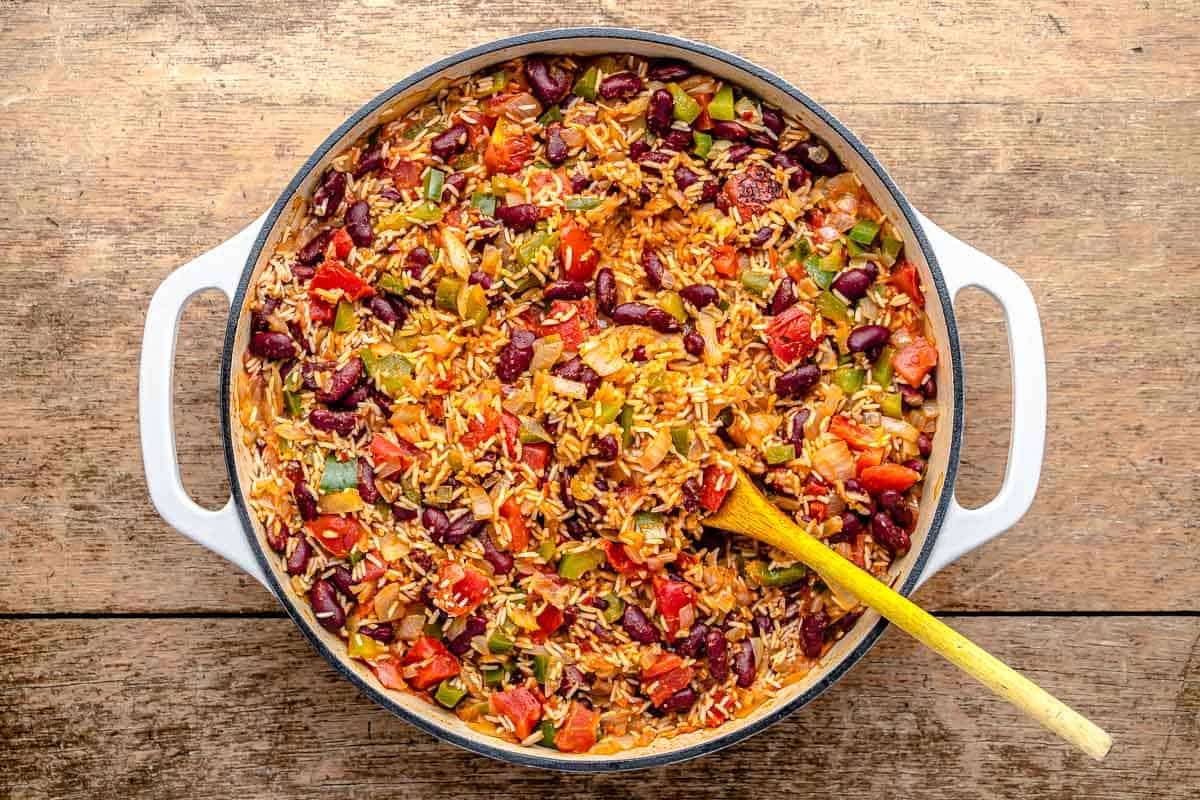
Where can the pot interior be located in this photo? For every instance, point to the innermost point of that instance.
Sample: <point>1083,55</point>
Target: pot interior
<point>416,90</point>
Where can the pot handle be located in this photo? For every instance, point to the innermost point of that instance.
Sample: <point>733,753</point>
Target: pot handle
<point>220,531</point>
<point>967,528</point>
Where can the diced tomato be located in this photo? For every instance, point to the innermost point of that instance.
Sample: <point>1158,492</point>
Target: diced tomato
<point>342,243</point>
<point>752,190</point>
<point>906,279</point>
<point>620,561</point>
<point>436,407</point>
<point>549,620</point>
<point>858,436</point>
<point>509,149</point>
<point>915,360</point>
<point>704,121</point>
<point>546,177</point>
<point>725,260</point>
<point>575,248</point>
<point>572,330</point>
<point>331,276</point>
<point>871,457</point>
<point>888,476</point>
<point>512,429</point>
<point>719,710</point>
<point>511,512</point>
<point>717,483</point>
<point>673,597</point>
<point>407,174</point>
<point>789,335</point>
<point>320,312</point>
<point>480,430</point>
<point>459,590</point>
<point>661,665</point>
<point>858,553</point>
<point>665,682</point>
<point>536,456</point>
<point>399,453</point>
<point>521,707</point>
<point>388,671</point>
<point>335,533</point>
<point>579,729</point>
<point>373,567</point>
<point>428,663</point>
<point>817,510</point>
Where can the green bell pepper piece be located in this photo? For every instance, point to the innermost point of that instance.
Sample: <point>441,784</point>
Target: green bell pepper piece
<point>427,211</point>
<point>344,320</point>
<point>475,305</point>
<point>890,250</point>
<point>703,144</point>
<point>833,308</point>
<point>547,550</point>
<point>499,643</point>
<point>835,260</point>
<point>819,276</point>
<point>681,439</point>
<point>575,565</point>
<point>650,523</point>
<point>541,665</point>
<point>446,295</point>
<point>892,405</point>
<point>802,250</point>
<point>362,646</point>
<point>433,629</point>
<point>486,203</point>
<point>626,425</point>
<point>499,81</point>
<point>449,695</point>
<point>761,574</point>
<point>339,475</point>
<point>493,676</point>
<point>615,608</point>
<point>672,303</point>
<point>548,732</point>
<point>432,185</point>
<point>585,87</point>
<point>881,373</point>
<point>291,402</point>
<point>391,284</point>
<point>721,106</point>
<point>686,109</point>
<point>609,412</point>
<point>863,232</point>
<point>389,372</point>
<point>779,453</point>
<point>531,432</point>
<point>756,282</point>
<point>582,203</point>
<point>528,252</point>
<point>551,114</point>
<point>849,378</point>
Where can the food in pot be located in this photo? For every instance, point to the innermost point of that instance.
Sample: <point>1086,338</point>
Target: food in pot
<point>507,358</point>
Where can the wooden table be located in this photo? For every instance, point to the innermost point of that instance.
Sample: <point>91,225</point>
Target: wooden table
<point>1065,139</point>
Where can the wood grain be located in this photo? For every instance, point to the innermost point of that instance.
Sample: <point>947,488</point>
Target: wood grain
<point>244,708</point>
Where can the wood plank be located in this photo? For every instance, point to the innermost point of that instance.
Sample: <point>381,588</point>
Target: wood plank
<point>243,708</point>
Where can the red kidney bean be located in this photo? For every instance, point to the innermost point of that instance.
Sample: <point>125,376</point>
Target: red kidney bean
<point>480,278</point>
<point>343,580</point>
<point>356,395</point>
<point>662,322</point>
<point>684,178</point>
<point>929,388</point>
<point>516,356</point>
<point>606,447</point>
<point>297,562</point>
<point>638,149</point>
<point>660,112</point>
<point>417,259</point>
<point>772,120</point>
<point>682,700</point>
<point>639,354</point>
<point>277,537</point>
<point>658,158</point>
<point>653,266</point>
<point>795,382</point>
<point>677,140</point>
<point>817,157</point>
<point>383,310</point>
<point>449,142</point>
<point>369,160</point>
<point>403,513</point>
<point>890,500</point>
<point>692,645</point>
<point>924,445</point>
<point>761,236</point>
<point>342,381</point>
<point>422,560</point>
<point>631,314</point>
<point>717,647</point>
<point>314,251</point>
<point>691,494</point>
<point>556,149</point>
<point>303,274</point>
<point>579,182</point>
<point>358,224</point>
<point>454,186</point>
<point>269,344</point>
<point>638,625</point>
<point>762,624</point>
<point>851,524</point>
<point>382,632</point>
<point>342,422</point>
<point>572,680</point>
<point>797,434</point>
<point>784,297</point>
<point>576,370</point>
<point>699,294</point>
<point>325,605</point>
<point>606,290</point>
<point>888,534</point>
<point>461,644</point>
<point>708,192</point>
<point>389,193</point>
<point>366,483</point>
<point>866,337</point>
<point>328,196</point>
<point>305,502</point>
<point>462,527</point>
<point>911,395</point>
<point>798,174</point>
<point>761,139</point>
<point>667,71</point>
<point>501,562</point>
<point>565,290</point>
<point>812,633</point>
<point>916,465</point>
<point>644,194</point>
<point>726,129</point>
<point>620,84</point>
<point>693,343</point>
<point>576,529</point>
<point>852,283</point>
<point>737,154</point>
<point>520,217</point>
<point>435,521</point>
<point>550,84</point>
<point>743,664</point>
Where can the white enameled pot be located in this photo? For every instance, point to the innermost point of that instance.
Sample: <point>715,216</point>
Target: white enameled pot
<point>946,530</point>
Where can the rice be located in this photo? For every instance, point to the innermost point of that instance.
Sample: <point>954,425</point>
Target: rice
<point>587,593</point>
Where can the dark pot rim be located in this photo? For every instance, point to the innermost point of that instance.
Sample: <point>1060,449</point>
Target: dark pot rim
<point>530,756</point>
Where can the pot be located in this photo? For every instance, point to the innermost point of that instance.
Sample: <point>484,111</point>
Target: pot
<point>946,529</point>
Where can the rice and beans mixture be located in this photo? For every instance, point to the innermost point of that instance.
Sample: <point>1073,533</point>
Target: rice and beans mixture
<point>507,360</point>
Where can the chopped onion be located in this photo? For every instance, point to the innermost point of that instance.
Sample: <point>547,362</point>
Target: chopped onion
<point>456,252</point>
<point>834,462</point>
<point>410,627</point>
<point>604,356</point>
<point>706,326</point>
<point>900,428</point>
<point>572,389</point>
<point>655,451</point>
<point>546,352</point>
<point>481,504</point>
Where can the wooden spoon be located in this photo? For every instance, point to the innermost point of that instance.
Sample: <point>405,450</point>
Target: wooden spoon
<point>748,512</point>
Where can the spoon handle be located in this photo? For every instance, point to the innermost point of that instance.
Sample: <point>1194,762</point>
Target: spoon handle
<point>759,518</point>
